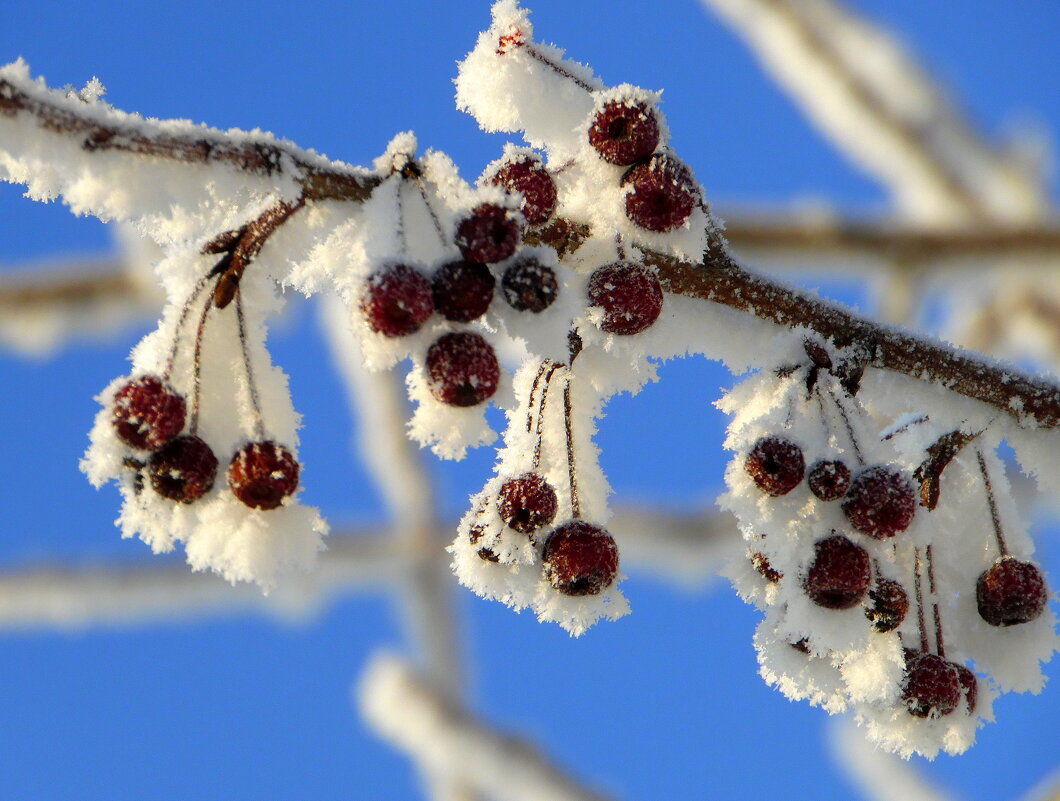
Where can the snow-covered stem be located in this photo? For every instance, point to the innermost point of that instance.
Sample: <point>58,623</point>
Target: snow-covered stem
<point>442,737</point>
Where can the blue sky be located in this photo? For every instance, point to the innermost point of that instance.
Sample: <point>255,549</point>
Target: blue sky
<point>667,701</point>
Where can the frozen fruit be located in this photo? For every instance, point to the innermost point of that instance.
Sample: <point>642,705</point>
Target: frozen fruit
<point>183,470</point>
<point>932,686</point>
<point>527,503</point>
<point>880,502</point>
<point>580,559</point>
<point>776,465</point>
<point>624,133</point>
<point>661,194</point>
<point>840,573</point>
<point>888,605</point>
<point>148,413</point>
<point>397,301</point>
<point>530,178</point>
<point>462,290</point>
<point>1010,592</point>
<point>829,480</point>
<point>488,235</point>
<point>262,474</point>
<point>529,286</point>
<point>462,369</point>
<point>630,295</point>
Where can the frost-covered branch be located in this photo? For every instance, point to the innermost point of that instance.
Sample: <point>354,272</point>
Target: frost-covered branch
<point>444,738</point>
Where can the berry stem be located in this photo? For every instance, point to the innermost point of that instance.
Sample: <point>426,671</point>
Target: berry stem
<point>430,211</point>
<point>849,427</point>
<point>533,52</point>
<point>919,602</point>
<point>541,413</point>
<point>399,214</point>
<point>916,421</point>
<point>255,399</point>
<point>568,423</point>
<point>940,647</point>
<point>533,391</point>
<point>193,426</point>
<point>995,517</point>
<point>184,312</point>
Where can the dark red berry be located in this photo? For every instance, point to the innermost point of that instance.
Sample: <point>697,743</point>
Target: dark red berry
<point>829,480</point>
<point>183,470</point>
<point>776,465</point>
<point>969,685</point>
<point>880,502</point>
<point>630,295</point>
<point>760,562</point>
<point>462,369</point>
<point>527,503</point>
<point>530,178</point>
<point>488,235</point>
<point>463,290</point>
<point>662,193</point>
<point>1010,592</point>
<point>932,686</point>
<point>888,605</point>
<point>262,474</point>
<point>580,559</point>
<point>623,133</point>
<point>840,574</point>
<point>397,301</point>
<point>485,554</point>
<point>148,413</point>
<point>529,286</point>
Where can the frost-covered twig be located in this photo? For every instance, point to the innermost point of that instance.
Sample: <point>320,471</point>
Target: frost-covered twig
<point>444,738</point>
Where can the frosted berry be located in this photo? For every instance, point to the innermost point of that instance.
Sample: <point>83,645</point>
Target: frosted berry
<point>662,193</point>
<point>262,474</point>
<point>1010,592</point>
<point>183,470</point>
<point>462,369</point>
<point>527,503</point>
<point>776,465</point>
<point>580,559</point>
<point>829,480</point>
<point>932,686</point>
<point>397,301</point>
<point>761,564</point>
<point>630,295</point>
<point>888,605</point>
<point>624,133</point>
<point>840,574</point>
<point>880,502</point>
<point>969,685</point>
<point>148,413</point>
<point>529,286</point>
<point>530,178</point>
<point>462,290</point>
<point>485,554</point>
<point>488,235</point>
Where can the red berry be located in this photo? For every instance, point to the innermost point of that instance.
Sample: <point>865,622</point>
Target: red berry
<point>530,178</point>
<point>888,607</point>
<point>932,686</point>
<point>463,290</point>
<point>630,295</point>
<point>148,413</point>
<point>262,474</point>
<point>580,559</point>
<point>183,470</point>
<point>527,503</point>
<point>462,369</point>
<point>1011,592</point>
<point>529,286</point>
<point>969,685</point>
<point>397,301</point>
<point>840,574</point>
<point>488,235</point>
<point>880,502</point>
<point>776,465</point>
<point>662,193</point>
<point>829,480</point>
<point>623,133</point>
<point>760,562</point>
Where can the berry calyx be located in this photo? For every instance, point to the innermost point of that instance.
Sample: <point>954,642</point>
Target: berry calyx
<point>840,573</point>
<point>527,503</point>
<point>888,605</point>
<point>776,465</point>
<point>488,235</point>
<point>662,193</point>
<point>760,562</point>
<point>932,686</point>
<point>630,295</point>
<point>183,470</point>
<point>529,286</point>
<point>462,369</point>
<point>1010,592</point>
<point>262,474</point>
<point>580,559</point>
<point>624,133</point>
<point>462,290</point>
<point>397,301</point>
<point>148,413</point>
<point>530,178</point>
<point>881,502</point>
<point>829,480</point>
